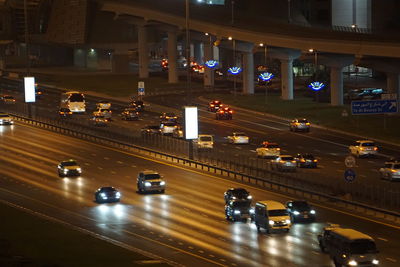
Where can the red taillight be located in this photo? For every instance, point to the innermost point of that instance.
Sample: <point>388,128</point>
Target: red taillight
<point>230,111</point>
<point>375,148</point>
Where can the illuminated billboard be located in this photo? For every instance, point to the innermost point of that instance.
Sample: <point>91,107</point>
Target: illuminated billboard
<point>29,84</point>
<point>191,123</point>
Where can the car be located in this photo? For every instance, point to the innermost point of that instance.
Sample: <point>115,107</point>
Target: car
<point>300,210</point>
<point>38,92</point>
<point>391,170</point>
<point>285,163</point>
<point>167,128</point>
<point>214,105</point>
<point>168,117</point>
<point>224,113</point>
<point>300,125</point>
<point>64,112</point>
<point>103,104</point>
<point>6,119</point>
<point>238,210</point>
<point>107,194</point>
<point>130,114</point>
<point>178,132</point>
<point>150,129</point>
<point>138,104</point>
<point>204,142</point>
<point>238,138</point>
<point>237,194</point>
<point>363,148</point>
<point>8,99</point>
<point>268,149</point>
<point>271,215</point>
<point>150,181</point>
<point>105,112</point>
<point>68,168</point>
<point>306,160</point>
<point>100,121</point>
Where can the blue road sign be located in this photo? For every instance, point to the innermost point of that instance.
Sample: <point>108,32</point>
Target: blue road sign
<point>349,175</point>
<point>374,106</point>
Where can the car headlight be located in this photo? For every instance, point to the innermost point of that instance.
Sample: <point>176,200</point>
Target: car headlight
<point>147,184</point>
<point>251,211</point>
<point>375,261</point>
<point>296,212</point>
<point>312,211</point>
<point>118,194</point>
<point>79,169</point>
<point>103,195</point>
<point>236,211</point>
<point>352,263</point>
<point>65,170</point>
<point>162,183</point>
<point>233,197</point>
<point>271,222</point>
<point>249,197</point>
<point>287,221</point>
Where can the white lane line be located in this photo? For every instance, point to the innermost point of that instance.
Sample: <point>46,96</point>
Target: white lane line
<point>120,162</point>
<point>106,158</point>
<point>238,147</point>
<point>251,150</point>
<point>100,168</point>
<point>113,172</point>
<point>93,154</point>
<point>316,150</point>
<point>133,166</point>
<point>392,260</point>
<point>316,253</point>
<point>87,163</point>
<point>340,170</point>
<point>363,176</point>
<point>334,154</point>
<point>374,170</point>
<point>383,239</point>
<point>370,161</point>
<point>321,166</point>
<point>336,162</point>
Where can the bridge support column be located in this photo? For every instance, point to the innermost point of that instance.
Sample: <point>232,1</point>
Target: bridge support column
<point>248,73</point>
<point>172,72</point>
<point>336,86</point>
<point>208,73</point>
<point>393,83</point>
<point>143,52</point>
<point>198,53</point>
<point>287,79</point>
<point>120,61</point>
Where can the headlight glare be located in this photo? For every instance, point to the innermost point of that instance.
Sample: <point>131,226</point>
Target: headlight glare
<point>296,212</point>
<point>249,197</point>
<point>312,211</point>
<point>375,261</point>
<point>162,183</point>
<point>271,222</point>
<point>287,221</point>
<point>236,211</point>
<point>352,263</point>
<point>147,184</point>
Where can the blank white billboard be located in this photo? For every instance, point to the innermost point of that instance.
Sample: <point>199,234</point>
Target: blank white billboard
<point>191,123</point>
<point>29,84</point>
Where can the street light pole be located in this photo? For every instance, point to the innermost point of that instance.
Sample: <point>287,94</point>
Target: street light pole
<point>232,12</point>
<point>289,15</point>
<point>234,64</point>
<point>188,87</point>
<point>26,38</point>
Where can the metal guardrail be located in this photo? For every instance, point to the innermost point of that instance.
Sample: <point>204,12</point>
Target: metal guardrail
<point>253,174</point>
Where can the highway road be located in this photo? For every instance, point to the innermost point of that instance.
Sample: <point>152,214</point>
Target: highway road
<point>185,225</point>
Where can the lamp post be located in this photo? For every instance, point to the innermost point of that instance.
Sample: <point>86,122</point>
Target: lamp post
<point>289,14</point>
<point>265,64</point>
<point>26,38</point>
<point>232,12</point>
<point>188,87</point>
<point>315,68</point>
<point>234,63</point>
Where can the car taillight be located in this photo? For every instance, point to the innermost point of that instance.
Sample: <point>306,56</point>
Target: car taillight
<point>302,160</point>
<point>315,160</point>
<point>211,105</point>
<point>230,111</point>
<point>375,148</point>
<point>307,123</point>
<point>278,148</point>
<point>393,170</point>
<point>293,161</point>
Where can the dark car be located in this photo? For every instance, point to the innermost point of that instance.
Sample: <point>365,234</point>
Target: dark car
<point>64,112</point>
<point>130,114</point>
<point>151,129</point>
<point>107,194</point>
<point>100,121</point>
<point>138,104</point>
<point>224,113</point>
<point>38,93</point>
<point>237,194</point>
<point>69,168</point>
<point>300,210</point>
<point>213,106</point>
<point>238,210</point>
<point>168,117</point>
<point>306,161</point>
<point>8,99</point>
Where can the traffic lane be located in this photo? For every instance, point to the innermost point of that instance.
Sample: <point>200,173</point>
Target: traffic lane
<point>195,189</point>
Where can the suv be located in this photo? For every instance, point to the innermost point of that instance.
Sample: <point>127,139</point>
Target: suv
<point>238,210</point>
<point>299,125</point>
<point>271,215</point>
<point>213,106</point>
<point>237,194</point>
<point>306,160</point>
<point>268,150</point>
<point>300,210</point>
<point>204,141</point>
<point>149,181</point>
<point>391,170</point>
<point>224,113</point>
<point>5,119</point>
<point>362,148</point>
<point>130,114</point>
<point>69,168</point>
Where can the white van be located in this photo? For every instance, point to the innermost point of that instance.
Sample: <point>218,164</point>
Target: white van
<point>271,215</point>
<point>205,141</point>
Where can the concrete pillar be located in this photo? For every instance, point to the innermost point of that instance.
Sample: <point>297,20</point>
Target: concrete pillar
<point>198,53</point>
<point>143,52</point>
<point>120,62</point>
<point>336,86</point>
<point>248,73</point>
<point>172,63</point>
<point>208,73</point>
<point>393,83</point>
<point>287,79</point>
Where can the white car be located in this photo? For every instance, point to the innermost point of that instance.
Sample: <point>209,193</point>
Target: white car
<point>363,148</point>
<point>391,170</point>
<point>285,163</point>
<point>105,112</point>
<point>238,138</point>
<point>6,119</point>
<point>167,128</point>
<point>103,104</point>
<point>269,150</point>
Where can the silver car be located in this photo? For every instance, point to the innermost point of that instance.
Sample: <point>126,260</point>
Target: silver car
<point>150,181</point>
<point>390,171</point>
<point>6,119</point>
<point>285,163</point>
<point>167,128</point>
<point>300,125</point>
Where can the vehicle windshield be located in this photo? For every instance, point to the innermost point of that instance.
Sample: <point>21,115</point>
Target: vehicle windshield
<point>300,206</point>
<point>139,103</point>
<point>277,213</point>
<point>70,163</point>
<point>287,158</point>
<point>206,138</point>
<point>362,247</point>
<point>303,121</point>
<point>108,189</point>
<point>240,193</point>
<point>368,144</point>
<point>240,204</point>
<point>8,97</point>
<point>76,98</point>
<point>152,176</point>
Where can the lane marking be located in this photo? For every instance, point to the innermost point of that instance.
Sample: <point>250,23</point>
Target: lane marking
<point>383,239</point>
<point>391,259</point>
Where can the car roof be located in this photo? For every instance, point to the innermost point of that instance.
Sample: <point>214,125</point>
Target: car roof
<point>237,189</point>
<point>351,234</point>
<point>282,156</point>
<point>149,172</point>
<point>106,188</point>
<point>365,141</point>
<point>271,204</point>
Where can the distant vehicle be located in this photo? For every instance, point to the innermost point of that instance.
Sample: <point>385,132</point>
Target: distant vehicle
<point>164,64</point>
<point>107,194</point>
<point>6,119</point>
<point>237,194</point>
<point>138,104</point>
<point>177,132</point>
<point>238,210</point>
<point>150,181</point>
<point>8,99</point>
<point>238,138</point>
<point>214,105</point>
<point>130,114</point>
<point>167,128</point>
<point>268,149</point>
<point>365,93</point>
<point>73,100</point>
<point>306,160</point>
<point>69,168</point>
<point>168,117</point>
<point>103,104</point>
<point>299,125</point>
<point>205,141</point>
<point>285,163</point>
<point>106,113</point>
<point>363,148</point>
<point>271,215</point>
<point>348,247</point>
<point>100,121</point>
<point>300,210</point>
<point>151,129</point>
<point>391,170</point>
<point>224,113</point>
<point>38,91</point>
<point>64,112</point>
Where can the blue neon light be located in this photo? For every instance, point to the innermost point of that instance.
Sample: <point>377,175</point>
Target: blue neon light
<point>316,86</point>
<point>211,63</point>
<point>235,70</point>
<point>266,76</point>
